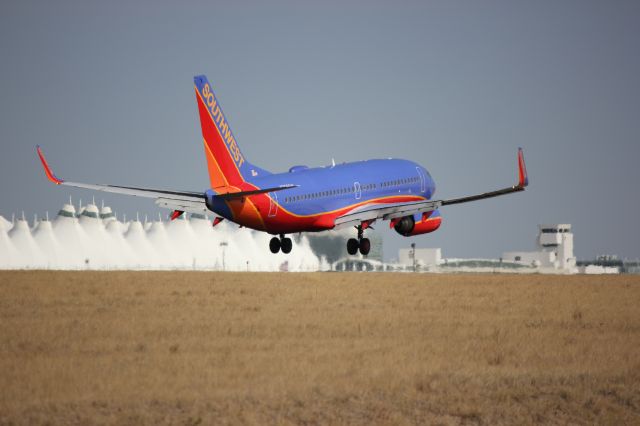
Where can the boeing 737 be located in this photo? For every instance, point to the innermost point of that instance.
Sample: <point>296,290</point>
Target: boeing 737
<point>304,199</point>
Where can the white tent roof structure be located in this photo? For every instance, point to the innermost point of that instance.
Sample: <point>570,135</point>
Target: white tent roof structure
<point>5,224</point>
<point>9,254</point>
<point>48,243</point>
<point>95,239</point>
<point>29,254</point>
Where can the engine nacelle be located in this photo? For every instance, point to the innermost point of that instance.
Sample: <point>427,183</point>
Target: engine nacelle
<point>404,225</point>
<point>417,224</point>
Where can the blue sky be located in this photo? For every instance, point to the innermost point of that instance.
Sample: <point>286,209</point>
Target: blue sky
<point>106,89</point>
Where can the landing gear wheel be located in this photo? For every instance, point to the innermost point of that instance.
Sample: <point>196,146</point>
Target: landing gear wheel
<point>286,245</point>
<point>365,246</point>
<point>274,245</point>
<point>352,246</point>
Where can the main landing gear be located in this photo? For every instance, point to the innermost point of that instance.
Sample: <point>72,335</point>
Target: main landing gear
<point>362,244</point>
<point>276,244</point>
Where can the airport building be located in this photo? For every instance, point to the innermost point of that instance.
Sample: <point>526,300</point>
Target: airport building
<point>554,250</point>
<point>554,255</point>
<point>94,239</point>
<point>420,258</point>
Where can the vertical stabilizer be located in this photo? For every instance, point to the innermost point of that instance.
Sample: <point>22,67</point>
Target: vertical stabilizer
<point>226,163</point>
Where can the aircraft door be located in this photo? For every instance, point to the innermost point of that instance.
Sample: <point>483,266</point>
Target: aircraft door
<point>356,187</point>
<point>423,181</point>
<point>273,204</point>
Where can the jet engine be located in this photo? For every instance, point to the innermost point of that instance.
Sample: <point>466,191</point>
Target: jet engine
<point>421,223</point>
<point>404,225</point>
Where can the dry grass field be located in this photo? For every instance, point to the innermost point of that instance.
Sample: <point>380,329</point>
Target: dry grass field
<point>324,348</point>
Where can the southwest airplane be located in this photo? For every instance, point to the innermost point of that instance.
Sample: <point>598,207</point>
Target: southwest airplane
<point>303,199</point>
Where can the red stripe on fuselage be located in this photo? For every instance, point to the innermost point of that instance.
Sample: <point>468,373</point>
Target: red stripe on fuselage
<point>286,222</point>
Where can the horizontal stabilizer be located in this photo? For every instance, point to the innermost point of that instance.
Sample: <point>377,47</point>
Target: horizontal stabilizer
<point>242,194</point>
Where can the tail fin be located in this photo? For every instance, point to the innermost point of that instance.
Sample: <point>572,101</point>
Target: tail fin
<point>226,163</point>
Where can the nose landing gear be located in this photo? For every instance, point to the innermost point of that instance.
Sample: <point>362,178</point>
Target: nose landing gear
<point>276,244</point>
<point>362,244</point>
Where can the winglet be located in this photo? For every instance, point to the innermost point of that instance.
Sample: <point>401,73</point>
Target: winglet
<point>523,178</point>
<point>47,170</point>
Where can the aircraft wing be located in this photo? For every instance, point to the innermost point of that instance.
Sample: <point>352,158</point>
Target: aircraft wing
<point>372,212</point>
<point>177,200</point>
<point>189,201</point>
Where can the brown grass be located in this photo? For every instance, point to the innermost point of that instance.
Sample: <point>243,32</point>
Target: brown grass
<point>324,348</point>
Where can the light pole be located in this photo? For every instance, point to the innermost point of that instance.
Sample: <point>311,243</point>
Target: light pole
<point>413,255</point>
<point>224,245</point>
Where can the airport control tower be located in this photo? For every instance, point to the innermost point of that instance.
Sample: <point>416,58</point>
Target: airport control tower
<point>558,239</point>
<point>555,250</point>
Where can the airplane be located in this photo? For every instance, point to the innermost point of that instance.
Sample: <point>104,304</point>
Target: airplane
<point>303,199</point>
